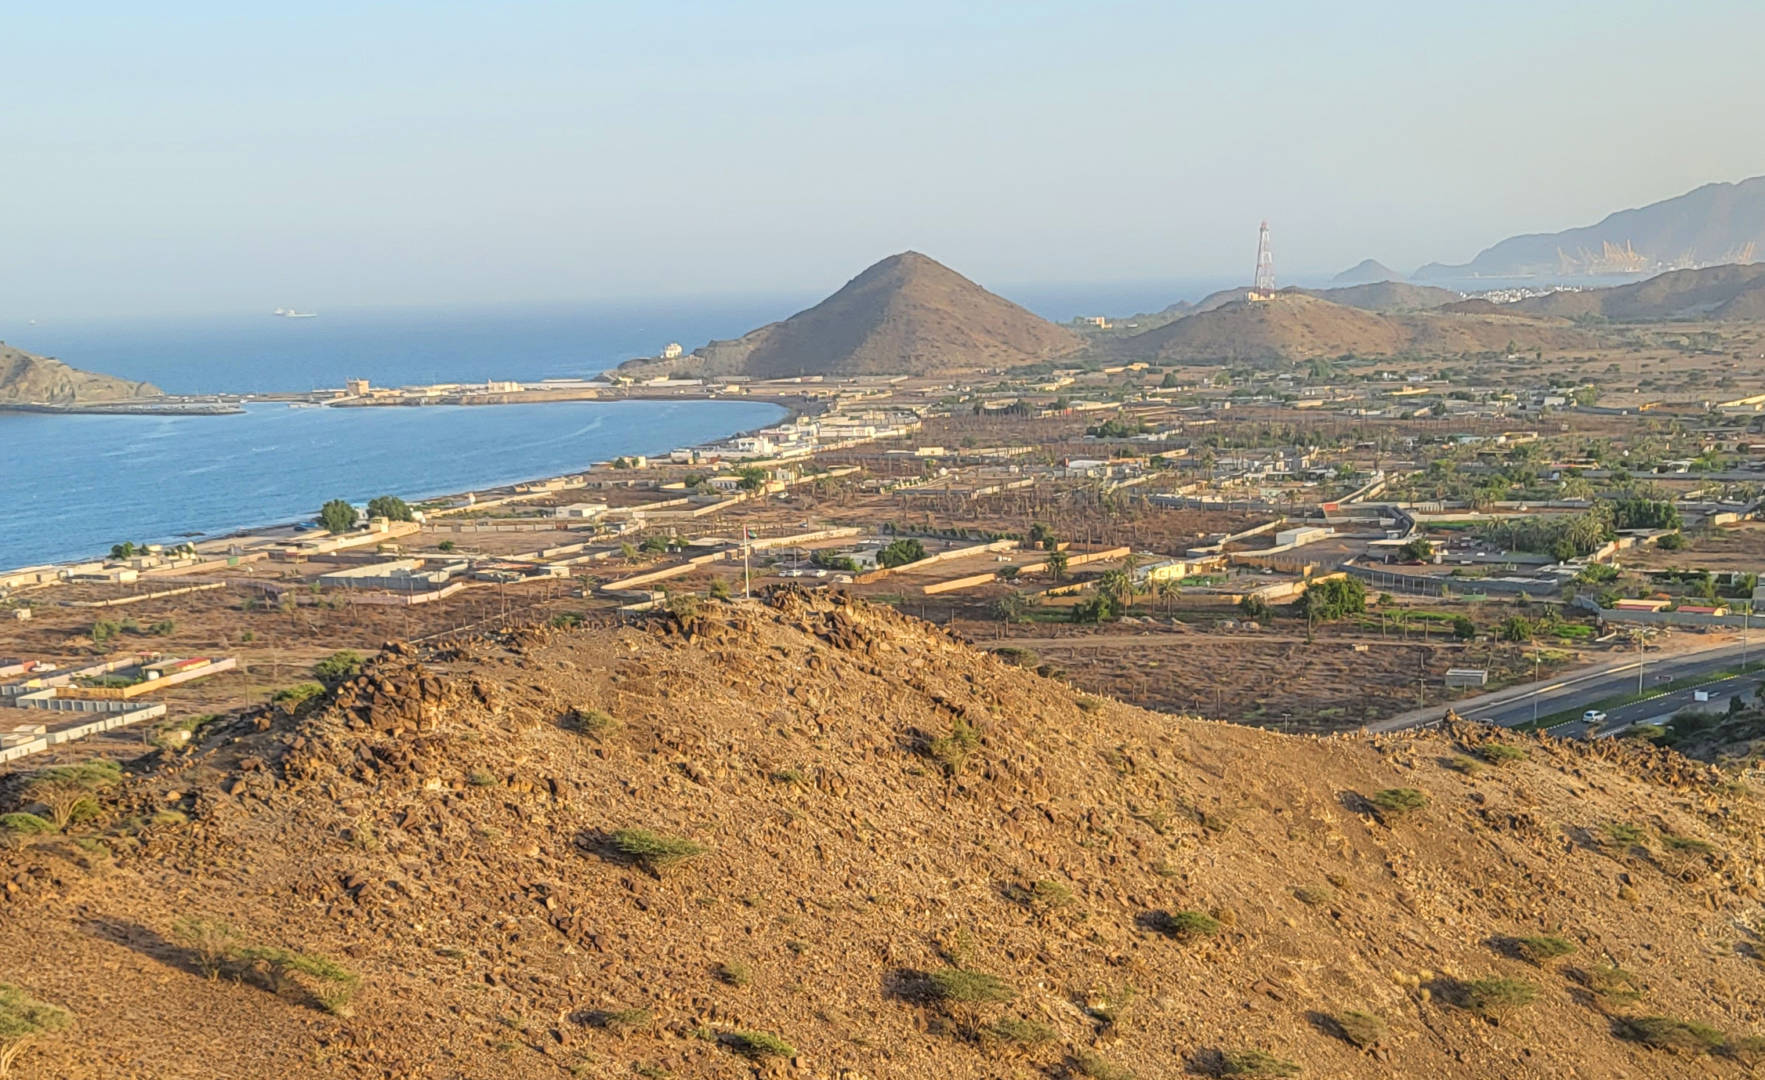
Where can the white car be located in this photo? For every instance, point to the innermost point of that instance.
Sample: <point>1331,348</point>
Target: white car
<point>1593,716</point>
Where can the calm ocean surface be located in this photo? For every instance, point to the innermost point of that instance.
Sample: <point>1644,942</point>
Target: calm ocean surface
<point>71,486</point>
<point>75,485</point>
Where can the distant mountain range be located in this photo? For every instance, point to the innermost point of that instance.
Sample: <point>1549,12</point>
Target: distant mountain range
<point>1713,224</point>
<point>907,314</point>
<point>26,379</point>
<point>1715,292</point>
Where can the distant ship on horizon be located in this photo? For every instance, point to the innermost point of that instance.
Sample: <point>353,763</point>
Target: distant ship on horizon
<point>290,313</point>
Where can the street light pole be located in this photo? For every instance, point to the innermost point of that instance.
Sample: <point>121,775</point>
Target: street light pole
<point>1535,687</point>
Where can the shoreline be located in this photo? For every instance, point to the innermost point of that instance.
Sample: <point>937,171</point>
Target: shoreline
<point>793,408</point>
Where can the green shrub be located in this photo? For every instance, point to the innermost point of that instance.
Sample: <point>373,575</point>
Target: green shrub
<point>1040,896</point>
<point>212,941</point>
<point>622,1021</point>
<point>331,985</point>
<point>1500,753</point>
<point>970,987</point>
<point>759,1045</point>
<point>1666,1033</point>
<point>481,778</point>
<point>299,692</point>
<point>23,1018</point>
<point>591,722</point>
<point>1184,924</point>
<point>1091,1065</point>
<point>1624,834</point>
<point>1613,983</point>
<point>1021,1032</point>
<point>1399,801</point>
<point>1363,1029</point>
<point>338,668</point>
<point>734,973</point>
<point>1468,766</point>
<point>1492,997</point>
<point>654,850</point>
<point>1314,895</point>
<point>1256,1063</point>
<point>951,751</point>
<point>1543,948</point>
<point>1686,845</point>
<point>25,824</point>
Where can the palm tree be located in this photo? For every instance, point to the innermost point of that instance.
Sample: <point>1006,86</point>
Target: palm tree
<point>1012,607</point>
<point>1117,586</point>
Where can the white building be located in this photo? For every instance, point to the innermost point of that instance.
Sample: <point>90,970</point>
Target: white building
<point>580,510</point>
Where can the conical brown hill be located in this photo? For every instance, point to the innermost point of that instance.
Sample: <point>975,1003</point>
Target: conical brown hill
<point>906,315</point>
<point>818,839</point>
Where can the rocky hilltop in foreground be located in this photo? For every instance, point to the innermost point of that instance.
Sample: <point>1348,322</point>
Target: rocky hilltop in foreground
<point>812,838</point>
<point>906,315</point>
<point>38,380</point>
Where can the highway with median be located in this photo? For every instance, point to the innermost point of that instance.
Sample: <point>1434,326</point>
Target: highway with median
<point>1674,678</point>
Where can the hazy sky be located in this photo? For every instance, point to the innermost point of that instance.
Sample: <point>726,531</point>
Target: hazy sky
<point>219,156</point>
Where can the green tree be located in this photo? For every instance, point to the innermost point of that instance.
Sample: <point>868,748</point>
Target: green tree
<point>1012,607</point>
<point>1093,609</point>
<point>337,516</point>
<point>1463,628</point>
<point>1118,586</point>
<point>829,559</point>
<point>1419,549</point>
<point>124,550</point>
<point>1255,607</point>
<point>752,478</point>
<point>1333,599</point>
<point>901,552</point>
<point>1516,628</point>
<point>70,792</point>
<point>1057,561</point>
<point>390,507</point>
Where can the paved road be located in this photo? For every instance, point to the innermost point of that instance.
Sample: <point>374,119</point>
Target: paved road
<point>1162,638</point>
<point>1580,690</point>
<point>1660,709</point>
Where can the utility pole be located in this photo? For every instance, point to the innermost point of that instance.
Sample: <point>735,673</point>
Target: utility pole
<point>1535,686</point>
<point>747,565</point>
<point>1639,661</point>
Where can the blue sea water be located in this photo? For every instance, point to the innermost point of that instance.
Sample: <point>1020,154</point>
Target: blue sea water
<point>259,353</point>
<point>71,486</point>
<point>75,485</point>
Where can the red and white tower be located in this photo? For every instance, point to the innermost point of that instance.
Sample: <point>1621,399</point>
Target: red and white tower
<point>1265,266</point>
